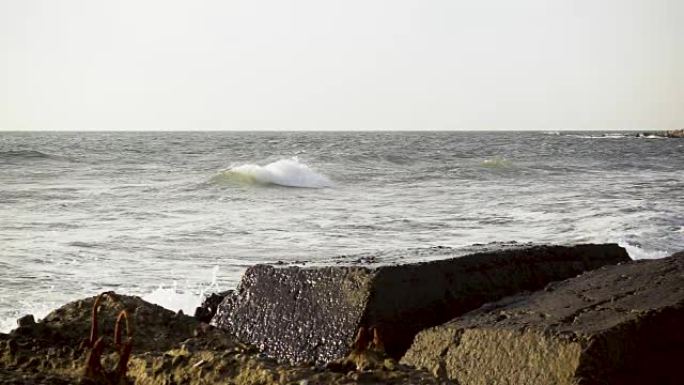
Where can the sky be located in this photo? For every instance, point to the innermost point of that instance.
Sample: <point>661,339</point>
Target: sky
<point>341,65</point>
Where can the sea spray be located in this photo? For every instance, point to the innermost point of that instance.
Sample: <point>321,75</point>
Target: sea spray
<point>37,309</point>
<point>636,252</point>
<point>185,299</point>
<point>175,299</point>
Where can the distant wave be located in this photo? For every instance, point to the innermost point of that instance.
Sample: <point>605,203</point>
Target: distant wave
<point>607,135</point>
<point>86,245</point>
<point>285,172</point>
<point>24,154</point>
<point>601,136</point>
<point>616,136</point>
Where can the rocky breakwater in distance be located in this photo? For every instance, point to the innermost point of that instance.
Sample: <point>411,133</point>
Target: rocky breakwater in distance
<point>315,315</point>
<point>167,348</point>
<point>663,134</point>
<point>619,325</point>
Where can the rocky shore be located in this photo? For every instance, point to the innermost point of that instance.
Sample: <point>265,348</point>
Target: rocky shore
<point>510,315</point>
<point>168,348</point>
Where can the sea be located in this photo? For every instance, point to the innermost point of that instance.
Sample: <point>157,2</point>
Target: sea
<point>173,216</point>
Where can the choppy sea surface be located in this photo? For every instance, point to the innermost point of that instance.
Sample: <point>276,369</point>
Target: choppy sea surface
<point>170,215</point>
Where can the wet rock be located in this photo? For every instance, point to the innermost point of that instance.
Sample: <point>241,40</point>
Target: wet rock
<point>26,320</point>
<point>615,325</point>
<point>313,314</point>
<point>207,310</point>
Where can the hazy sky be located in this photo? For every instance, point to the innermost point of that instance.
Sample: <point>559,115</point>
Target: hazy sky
<point>338,65</point>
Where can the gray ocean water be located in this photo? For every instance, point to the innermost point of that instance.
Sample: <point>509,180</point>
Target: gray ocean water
<point>170,216</point>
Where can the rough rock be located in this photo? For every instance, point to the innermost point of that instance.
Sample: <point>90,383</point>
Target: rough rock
<point>674,134</point>
<point>26,320</point>
<point>616,325</point>
<point>312,314</point>
<point>663,134</point>
<point>168,348</point>
<point>54,347</point>
<point>207,310</point>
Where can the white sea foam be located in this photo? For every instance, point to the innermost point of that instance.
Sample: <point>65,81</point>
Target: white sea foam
<point>186,299</point>
<point>635,252</point>
<point>37,309</point>
<point>175,299</point>
<point>285,172</point>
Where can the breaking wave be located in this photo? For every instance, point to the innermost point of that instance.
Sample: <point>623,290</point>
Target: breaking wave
<point>285,172</point>
<point>636,252</point>
<point>601,136</point>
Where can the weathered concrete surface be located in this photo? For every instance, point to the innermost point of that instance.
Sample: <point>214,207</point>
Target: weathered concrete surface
<point>615,325</point>
<point>298,314</point>
<point>313,314</point>
<point>168,348</point>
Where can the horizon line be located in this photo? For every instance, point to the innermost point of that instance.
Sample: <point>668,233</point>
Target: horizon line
<point>342,130</point>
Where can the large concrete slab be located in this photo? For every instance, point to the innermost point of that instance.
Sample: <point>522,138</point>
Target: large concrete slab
<point>615,325</point>
<point>303,314</point>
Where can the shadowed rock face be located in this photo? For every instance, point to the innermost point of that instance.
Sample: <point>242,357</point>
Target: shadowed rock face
<point>615,325</point>
<point>312,314</point>
<point>207,311</point>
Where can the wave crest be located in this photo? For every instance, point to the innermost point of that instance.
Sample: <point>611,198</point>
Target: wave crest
<point>285,172</point>
<point>24,154</point>
<point>607,135</point>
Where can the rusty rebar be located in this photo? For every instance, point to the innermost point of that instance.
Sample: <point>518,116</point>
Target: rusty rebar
<point>94,370</point>
<point>123,315</point>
